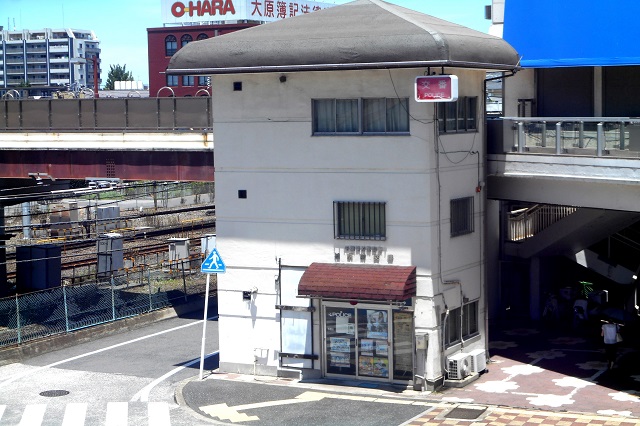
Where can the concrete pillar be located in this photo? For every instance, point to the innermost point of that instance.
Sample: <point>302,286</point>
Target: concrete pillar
<point>26,221</point>
<point>534,288</point>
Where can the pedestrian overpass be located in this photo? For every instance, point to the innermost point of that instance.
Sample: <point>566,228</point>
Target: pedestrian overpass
<point>564,198</point>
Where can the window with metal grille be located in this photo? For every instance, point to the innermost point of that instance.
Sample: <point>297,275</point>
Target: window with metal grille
<point>458,116</point>
<point>356,220</point>
<point>461,216</point>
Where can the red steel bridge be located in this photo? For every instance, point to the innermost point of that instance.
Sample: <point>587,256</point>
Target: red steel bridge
<point>118,138</point>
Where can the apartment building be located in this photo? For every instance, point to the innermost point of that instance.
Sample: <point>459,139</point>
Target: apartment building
<point>47,59</point>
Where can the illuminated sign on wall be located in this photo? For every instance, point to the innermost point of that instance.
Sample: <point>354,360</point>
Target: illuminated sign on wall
<point>193,11</point>
<point>436,88</point>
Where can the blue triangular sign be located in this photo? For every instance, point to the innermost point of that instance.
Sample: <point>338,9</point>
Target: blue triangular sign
<point>213,264</point>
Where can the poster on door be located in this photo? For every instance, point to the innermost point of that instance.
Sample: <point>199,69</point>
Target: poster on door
<point>377,326</point>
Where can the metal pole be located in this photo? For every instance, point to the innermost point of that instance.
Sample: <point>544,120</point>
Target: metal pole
<point>18,318</point>
<point>601,140</point>
<point>66,310</point>
<point>204,325</point>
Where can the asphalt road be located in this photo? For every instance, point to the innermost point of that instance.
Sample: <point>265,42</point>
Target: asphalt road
<point>128,378</point>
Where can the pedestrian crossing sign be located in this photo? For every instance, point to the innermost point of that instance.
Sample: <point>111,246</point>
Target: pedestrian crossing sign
<point>213,264</point>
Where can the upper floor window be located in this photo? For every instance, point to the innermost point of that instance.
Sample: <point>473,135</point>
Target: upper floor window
<point>202,36</point>
<point>172,80</point>
<point>458,116</point>
<point>356,220</point>
<point>203,80</point>
<point>170,45</point>
<point>188,80</point>
<point>461,216</point>
<point>361,116</point>
<point>185,39</point>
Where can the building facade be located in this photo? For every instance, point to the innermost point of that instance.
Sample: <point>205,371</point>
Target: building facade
<point>350,213</point>
<point>47,59</point>
<point>163,42</point>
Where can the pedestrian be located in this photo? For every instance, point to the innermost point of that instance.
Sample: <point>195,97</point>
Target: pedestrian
<point>610,334</point>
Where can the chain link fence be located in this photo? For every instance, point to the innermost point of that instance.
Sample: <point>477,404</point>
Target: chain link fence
<point>58,310</point>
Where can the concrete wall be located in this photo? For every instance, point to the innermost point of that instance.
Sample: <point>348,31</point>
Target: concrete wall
<point>264,145</point>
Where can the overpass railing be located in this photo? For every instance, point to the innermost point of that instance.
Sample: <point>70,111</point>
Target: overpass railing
<point>107,114</point>
<point>591,136</point>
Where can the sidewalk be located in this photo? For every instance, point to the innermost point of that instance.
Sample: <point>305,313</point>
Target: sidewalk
<point>535,377</point>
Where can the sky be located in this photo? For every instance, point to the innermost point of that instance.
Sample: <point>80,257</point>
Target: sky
<point>121,25</point>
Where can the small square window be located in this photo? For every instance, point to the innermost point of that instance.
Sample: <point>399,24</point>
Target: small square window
<point>237,86</point>
<point>242,193</point>
<point>354,220</point>
<point>461,216</point>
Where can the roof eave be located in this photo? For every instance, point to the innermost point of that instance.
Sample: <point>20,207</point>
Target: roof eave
<point>338,67</point>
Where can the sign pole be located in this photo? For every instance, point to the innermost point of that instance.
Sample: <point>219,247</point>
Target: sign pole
<point>204,325</point>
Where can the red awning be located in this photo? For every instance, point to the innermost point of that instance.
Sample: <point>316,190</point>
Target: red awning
<point>358,282</point>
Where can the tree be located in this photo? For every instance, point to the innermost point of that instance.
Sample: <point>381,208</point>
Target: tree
<point>117,73</point>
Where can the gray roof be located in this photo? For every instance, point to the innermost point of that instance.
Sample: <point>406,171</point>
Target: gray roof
<point>363,34</point>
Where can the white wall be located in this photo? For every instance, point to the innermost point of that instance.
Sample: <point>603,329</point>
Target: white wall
<point>264,145</point>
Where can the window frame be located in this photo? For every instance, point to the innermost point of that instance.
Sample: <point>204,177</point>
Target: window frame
<point>170,50</point>
<point>461,216</point>
<point>172,80</point>
<point>460,324</point>
<point>360,104</point>
<point>460,116</point>
<point>188,81</point>
<point>372,220</point>
<point>185,39</point>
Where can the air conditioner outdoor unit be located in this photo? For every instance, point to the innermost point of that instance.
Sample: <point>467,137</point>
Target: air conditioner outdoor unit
<point>459,366</point>
<point>478,360</point>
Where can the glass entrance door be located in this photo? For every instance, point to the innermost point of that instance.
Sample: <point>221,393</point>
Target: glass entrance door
<point>358,341</point>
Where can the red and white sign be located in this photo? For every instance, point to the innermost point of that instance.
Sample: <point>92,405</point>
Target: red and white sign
<point>436,88</point>
<point>194,11</point>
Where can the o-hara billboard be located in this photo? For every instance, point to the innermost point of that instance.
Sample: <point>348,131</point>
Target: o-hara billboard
<point>193,11</point>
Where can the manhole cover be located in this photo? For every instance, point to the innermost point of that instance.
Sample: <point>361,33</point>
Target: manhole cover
<point>55,392</point>
<point>461,413</point>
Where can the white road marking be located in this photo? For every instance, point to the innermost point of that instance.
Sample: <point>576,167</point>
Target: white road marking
<point>35,370</point>
<point>2,408</point>
<point>74,414</point>
<point>117,414</point>
<point>33,415</point>
<point>159,414</point>
<point>224,412</point>
<point>143,394</point>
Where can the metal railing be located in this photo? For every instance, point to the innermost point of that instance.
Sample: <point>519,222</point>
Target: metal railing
<point>593,136</point>
<point>191,114</point>
<point>526,223</point>
<point>58,310</point>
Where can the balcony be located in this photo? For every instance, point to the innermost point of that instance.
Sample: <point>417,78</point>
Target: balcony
<point>57,49</point>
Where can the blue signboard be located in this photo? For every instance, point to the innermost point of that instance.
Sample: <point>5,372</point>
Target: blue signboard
<point>213,264</point>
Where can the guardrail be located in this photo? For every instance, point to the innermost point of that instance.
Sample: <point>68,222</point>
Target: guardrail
<point>592,136</point>
<point>107,114</point>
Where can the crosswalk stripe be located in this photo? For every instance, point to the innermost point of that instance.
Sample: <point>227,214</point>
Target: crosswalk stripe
<point>2,407</point>
<point>117,414</point>
<point>74,414</point>
<point>33,415</point>
<point>159,414</point>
